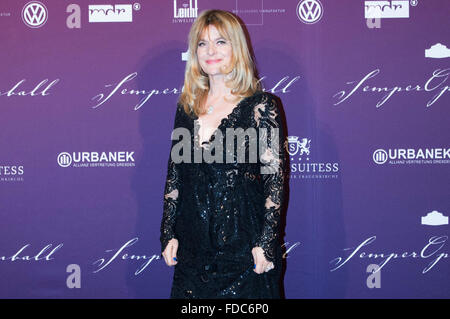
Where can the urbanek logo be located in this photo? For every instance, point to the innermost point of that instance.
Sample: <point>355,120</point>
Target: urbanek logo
<point>409,156</point>
<point>309,11</point>
<point>187,12</point>
<point>34,14</point>
<point>11,173</point>
<point>112,13</point>
<point>303,167</point>
<point>96,159</point>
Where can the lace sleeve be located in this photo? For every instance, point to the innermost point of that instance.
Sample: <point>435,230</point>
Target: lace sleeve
<point>171,192</point>
<point>273,161</point>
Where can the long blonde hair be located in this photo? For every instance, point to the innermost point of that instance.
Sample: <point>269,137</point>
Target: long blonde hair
<point>242,79</point>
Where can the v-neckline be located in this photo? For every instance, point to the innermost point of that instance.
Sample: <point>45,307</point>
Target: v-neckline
<point>222,122</point>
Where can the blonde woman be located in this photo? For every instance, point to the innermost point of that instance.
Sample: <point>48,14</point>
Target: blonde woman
<point>220,225</point>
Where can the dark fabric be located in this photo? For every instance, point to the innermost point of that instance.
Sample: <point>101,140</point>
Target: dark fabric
<point>220,211</point>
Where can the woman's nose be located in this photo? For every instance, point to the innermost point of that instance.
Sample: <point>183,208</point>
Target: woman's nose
<point>211,49</point>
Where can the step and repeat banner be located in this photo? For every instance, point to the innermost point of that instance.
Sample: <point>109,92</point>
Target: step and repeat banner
<point>88,91</point>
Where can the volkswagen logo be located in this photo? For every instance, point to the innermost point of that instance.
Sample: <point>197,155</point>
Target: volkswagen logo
<point>34,14</point>
<point>309,11</point>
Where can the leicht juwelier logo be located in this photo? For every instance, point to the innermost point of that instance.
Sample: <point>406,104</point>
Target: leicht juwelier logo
<point>34,14</point>
<point>184,11</point>
<point>96,159</point>
<point>11,173</point>
<point>112,13</point>
<point>309,11</point>
<point>302,164</point>
<point>408,156</point>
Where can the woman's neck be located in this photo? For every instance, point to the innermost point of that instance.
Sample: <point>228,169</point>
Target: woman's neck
<point>217,86</point>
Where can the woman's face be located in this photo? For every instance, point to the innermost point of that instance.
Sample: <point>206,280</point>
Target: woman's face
<point>213,51</point>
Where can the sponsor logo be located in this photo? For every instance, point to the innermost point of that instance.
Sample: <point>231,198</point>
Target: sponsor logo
<point>253,12</point>
<point>34,14</point>
<point>432,253</point>
<point>302,165</point>
<point>184,56</point>
<point>184,11</point>
<point>437,51</point>
<point>434,83</point>
<point>434,218</point>
<point>112,13</point>
<point>96,159</point>
<point>41,89</point>
<point>309,11</point>
<point>129,254</point>
<point>11,173</point>
<point>380,156</point>
<point>386,9</point>
<point>408,156</point>
<point>123,87</point>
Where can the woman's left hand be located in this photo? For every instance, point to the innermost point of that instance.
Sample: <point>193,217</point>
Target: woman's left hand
<point>262,264</point>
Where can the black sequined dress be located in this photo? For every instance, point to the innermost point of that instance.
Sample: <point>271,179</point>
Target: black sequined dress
<point>220,211</point>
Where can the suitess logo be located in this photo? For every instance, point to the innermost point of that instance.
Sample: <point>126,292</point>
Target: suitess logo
<point>96,159</point>
<point>11,173</point>
<point>304,165</point>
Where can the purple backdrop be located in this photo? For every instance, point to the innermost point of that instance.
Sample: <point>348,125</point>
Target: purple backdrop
<point>87,100</point>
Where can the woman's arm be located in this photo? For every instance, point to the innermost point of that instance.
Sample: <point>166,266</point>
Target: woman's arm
<point>272,172</point>
<point>171,193</point>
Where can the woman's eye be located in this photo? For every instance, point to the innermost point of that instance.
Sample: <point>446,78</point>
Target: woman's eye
<point>221,42</point>
<point>201,44</point>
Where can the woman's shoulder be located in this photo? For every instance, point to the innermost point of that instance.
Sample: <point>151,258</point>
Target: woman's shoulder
<point>182,110</point>
<point>266,99</point>
<point>256,98</point>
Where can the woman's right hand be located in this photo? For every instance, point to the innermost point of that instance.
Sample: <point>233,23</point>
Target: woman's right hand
<point>170,252</point>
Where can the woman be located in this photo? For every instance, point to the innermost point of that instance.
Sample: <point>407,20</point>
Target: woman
<point>221,218</point>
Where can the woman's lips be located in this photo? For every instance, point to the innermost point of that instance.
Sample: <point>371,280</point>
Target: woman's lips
<point>213,61</point>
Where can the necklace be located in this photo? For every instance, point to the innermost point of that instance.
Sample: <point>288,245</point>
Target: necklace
<point>211,108</point>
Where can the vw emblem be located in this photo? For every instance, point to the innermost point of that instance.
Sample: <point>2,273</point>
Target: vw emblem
<point>309,11</point>
<point>34,14</point>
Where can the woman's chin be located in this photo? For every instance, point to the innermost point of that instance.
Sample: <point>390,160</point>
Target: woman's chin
<point>215,72</point>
